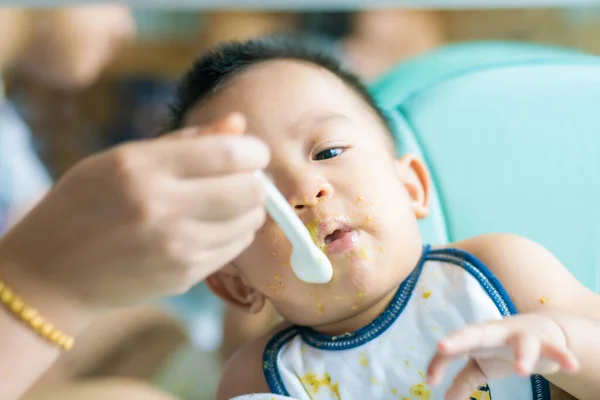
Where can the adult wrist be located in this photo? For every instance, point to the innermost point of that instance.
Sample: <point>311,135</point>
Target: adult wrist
<point>50,302</point>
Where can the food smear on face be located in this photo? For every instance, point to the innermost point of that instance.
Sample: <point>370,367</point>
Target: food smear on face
<point>318,303</point>
<point>313,230</point>
<point>278,285</point>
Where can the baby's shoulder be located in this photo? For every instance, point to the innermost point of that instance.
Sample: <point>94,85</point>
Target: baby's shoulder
<point>504,253</point>
<point>496,249</point>
<point>243,373</point>
<point>529,272</point>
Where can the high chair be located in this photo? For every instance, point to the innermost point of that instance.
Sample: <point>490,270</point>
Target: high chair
<point>511,135</point>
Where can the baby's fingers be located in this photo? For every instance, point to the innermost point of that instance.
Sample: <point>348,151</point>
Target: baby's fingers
<point>527,349</point>
<point>473,338</point>
<point>437,368</point>
<point>561,357</point>
<point>467,381</point>
<point>534,356</point>
<point>463,342</point>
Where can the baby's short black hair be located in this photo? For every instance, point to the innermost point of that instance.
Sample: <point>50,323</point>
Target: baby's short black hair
<point>223,62</point>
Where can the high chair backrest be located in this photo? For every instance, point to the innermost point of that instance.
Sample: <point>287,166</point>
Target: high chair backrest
<point>511,134</point>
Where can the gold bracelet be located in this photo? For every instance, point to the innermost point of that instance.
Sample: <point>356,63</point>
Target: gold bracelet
<point>31,317</point>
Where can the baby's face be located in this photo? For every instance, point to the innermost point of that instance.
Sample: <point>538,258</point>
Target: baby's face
<point>333,160</point>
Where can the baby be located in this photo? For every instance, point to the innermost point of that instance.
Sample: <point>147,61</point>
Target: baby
<point>399,320</point>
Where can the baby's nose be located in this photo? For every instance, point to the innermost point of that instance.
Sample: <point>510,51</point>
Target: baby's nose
<point>312,199</point>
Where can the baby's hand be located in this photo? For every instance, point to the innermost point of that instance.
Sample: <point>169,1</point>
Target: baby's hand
<point>525,344</point>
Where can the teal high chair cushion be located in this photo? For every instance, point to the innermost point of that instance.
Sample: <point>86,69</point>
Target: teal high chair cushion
<point>511,134</point>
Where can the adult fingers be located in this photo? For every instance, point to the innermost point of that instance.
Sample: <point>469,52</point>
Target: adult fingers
<point>200,156</point>
<point>219,234</point>
<point>219,258</point>
<point>219,198</point>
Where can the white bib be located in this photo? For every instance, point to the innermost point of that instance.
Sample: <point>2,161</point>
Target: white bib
<point>387,359</point>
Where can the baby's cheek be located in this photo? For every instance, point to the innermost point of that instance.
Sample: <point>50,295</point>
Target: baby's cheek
<point>272,246</point>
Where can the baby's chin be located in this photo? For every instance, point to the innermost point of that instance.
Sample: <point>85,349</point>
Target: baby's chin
<point>357,281</point>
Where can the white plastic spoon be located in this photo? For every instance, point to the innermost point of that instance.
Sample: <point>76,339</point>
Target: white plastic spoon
<point>308,262</point>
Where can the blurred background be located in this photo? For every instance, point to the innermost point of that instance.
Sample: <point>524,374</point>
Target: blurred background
<point>79,79</point>
<point>143,56</point>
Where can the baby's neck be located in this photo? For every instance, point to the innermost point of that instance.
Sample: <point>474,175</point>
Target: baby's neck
<point>360,319</point>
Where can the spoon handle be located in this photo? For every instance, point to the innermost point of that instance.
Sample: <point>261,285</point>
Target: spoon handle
<point>283,214</point>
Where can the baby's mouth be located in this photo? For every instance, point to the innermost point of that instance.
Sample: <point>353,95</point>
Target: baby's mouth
<point>335,235</point>
<point>341,240</point>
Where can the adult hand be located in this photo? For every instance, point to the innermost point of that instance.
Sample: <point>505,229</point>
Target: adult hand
<point>142,220</point>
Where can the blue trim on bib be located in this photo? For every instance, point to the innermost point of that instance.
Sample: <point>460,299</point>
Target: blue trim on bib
<point>488,281</point>
<point>270,370</point>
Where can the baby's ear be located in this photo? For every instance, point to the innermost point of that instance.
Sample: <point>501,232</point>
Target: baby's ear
<point>416,179</point>
<point>231,286</point>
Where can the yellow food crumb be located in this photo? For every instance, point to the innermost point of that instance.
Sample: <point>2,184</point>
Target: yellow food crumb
<point>421,374</point>
<point>374,381</point>
<point>542,300</point>
<point>420,391</point>
<point>405,398</point>
<point>369,218</point>
<point>354,307</point>
<point>362,254</point>
<point>427,294</point>
<point>276,287</point>
<point>380,248</point>
<point>364,361</point>
<point>359,294</point>
<point>394,391</point>
<point>335,389</point>
<point>316,384</point>
<point>359,198</point>
<point>406,363</point>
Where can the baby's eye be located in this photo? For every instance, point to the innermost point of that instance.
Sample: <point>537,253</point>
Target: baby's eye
<point>329,153</point>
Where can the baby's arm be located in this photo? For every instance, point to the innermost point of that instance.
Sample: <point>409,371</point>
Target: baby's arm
<point>243,373</point>
<point>537,282</point>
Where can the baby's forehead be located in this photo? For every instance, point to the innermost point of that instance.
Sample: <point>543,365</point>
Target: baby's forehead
<point>274,90</point>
